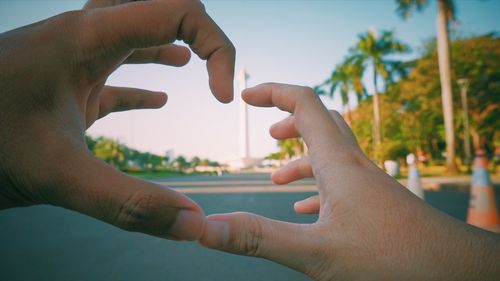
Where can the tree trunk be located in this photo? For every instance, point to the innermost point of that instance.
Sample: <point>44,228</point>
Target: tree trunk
<point>348,116</point>
<point>445,77</point>
<point>476,139</point>
<point>377,137</point>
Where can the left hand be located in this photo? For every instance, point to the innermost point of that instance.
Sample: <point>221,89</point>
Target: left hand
<point>52,88</point>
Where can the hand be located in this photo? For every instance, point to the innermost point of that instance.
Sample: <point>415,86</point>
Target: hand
<point>52,89</point>
<point>369,226</point>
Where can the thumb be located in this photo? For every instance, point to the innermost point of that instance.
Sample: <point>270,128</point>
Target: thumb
<point>248,234</point>
<point>88,185</point>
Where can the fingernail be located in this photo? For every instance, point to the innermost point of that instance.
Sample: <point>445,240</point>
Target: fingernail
<point>188,225</point>
<point>216,234</point>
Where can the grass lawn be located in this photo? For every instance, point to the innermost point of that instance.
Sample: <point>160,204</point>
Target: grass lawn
<point>163,174</point>
<point>440,171</point>
<point>158,174</point>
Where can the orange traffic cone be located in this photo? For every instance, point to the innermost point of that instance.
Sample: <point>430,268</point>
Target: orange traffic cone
<point>483,211</point>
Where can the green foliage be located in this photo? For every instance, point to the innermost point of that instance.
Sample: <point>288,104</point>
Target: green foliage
<point>392,149</point>
<point>289,148</point>
<point>131,160</point>
<point>195,161</point>
<point>376,51</point>
<point>478,60</point>
<point>412,118</point>
<point>110,151</point>
<point>181,163</point>
<point>345,78</point>
<point>405,8</point>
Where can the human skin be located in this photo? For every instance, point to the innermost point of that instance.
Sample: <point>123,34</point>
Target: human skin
<point>52,88</point>
<point>369,226</point>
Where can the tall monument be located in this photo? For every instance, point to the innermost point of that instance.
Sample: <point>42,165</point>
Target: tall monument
<point>244,160</point>
<point>244,146</point>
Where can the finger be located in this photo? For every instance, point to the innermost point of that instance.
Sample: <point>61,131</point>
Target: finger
<point>154,23</point>
<point>293,171</point>
<point>284,129</point>
<point>252,235</point>
<point>312,120</point>
<point>171,54</point>
<point>311,117</point>
<point>113,99</point>
<point>308,206</point>
<point>89,186</point>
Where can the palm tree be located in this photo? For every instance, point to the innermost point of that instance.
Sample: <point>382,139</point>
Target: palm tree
<point>346,77</point>
<point>373,51</point>
<point>290,148</point>
<point>446,13</point>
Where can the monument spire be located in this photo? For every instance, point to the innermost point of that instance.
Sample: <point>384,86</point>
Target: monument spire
<point>244,146</point>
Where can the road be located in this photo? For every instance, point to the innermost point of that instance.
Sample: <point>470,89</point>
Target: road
<point>49,243</point>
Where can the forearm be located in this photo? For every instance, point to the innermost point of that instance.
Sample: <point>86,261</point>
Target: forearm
<point>454,250</point>
<point>476,254</point>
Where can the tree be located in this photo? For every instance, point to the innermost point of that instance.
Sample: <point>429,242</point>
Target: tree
<point>90,142</point>
<point>373,51</point>
<point>195,161</point>
<point>478,60</point>
<point>110,151</point>
<point>446,13</point>
<point>413,117</point>
<point>346,77</point>
<point>290,148</point>
<point>181,163</point>
<point>155,161</point>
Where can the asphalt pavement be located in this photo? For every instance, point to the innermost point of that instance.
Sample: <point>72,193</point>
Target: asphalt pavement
<point>50,243</point>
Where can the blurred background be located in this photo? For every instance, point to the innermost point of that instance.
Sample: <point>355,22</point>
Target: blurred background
<point>411,77</point>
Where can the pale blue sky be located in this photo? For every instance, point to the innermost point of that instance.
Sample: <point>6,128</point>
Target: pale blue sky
<point>297,42</point>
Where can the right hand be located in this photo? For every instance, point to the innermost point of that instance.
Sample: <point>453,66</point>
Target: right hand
<point>369,227</point>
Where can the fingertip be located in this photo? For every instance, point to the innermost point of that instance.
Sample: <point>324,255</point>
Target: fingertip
<point>162,98</point>
<point>156,99</point>
<point>185,56</point>
<point>273,131</point>
<point>216,234</point>
<point>247,93</point>
<point>189,226</point>
<point>296,207</point>
<point>278,178</point>
<point>300,209</point>
<point>222,94</point>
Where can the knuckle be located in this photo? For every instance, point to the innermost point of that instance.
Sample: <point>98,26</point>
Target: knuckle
<point>356,158</point>
<point>188,6</point>
<point>250,241</point>
<point>230,49</point>
<point>308,93</point>
<point>84,42</point>
<point>66,19</point>
<point>335,114</point>
<point>194,4</point>
<point>135,211</point>
<point>66,28</point>
<point>199,5</point>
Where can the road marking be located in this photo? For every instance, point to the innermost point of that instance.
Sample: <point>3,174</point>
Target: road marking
<point>246,189</point>
<point>225,183</point>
